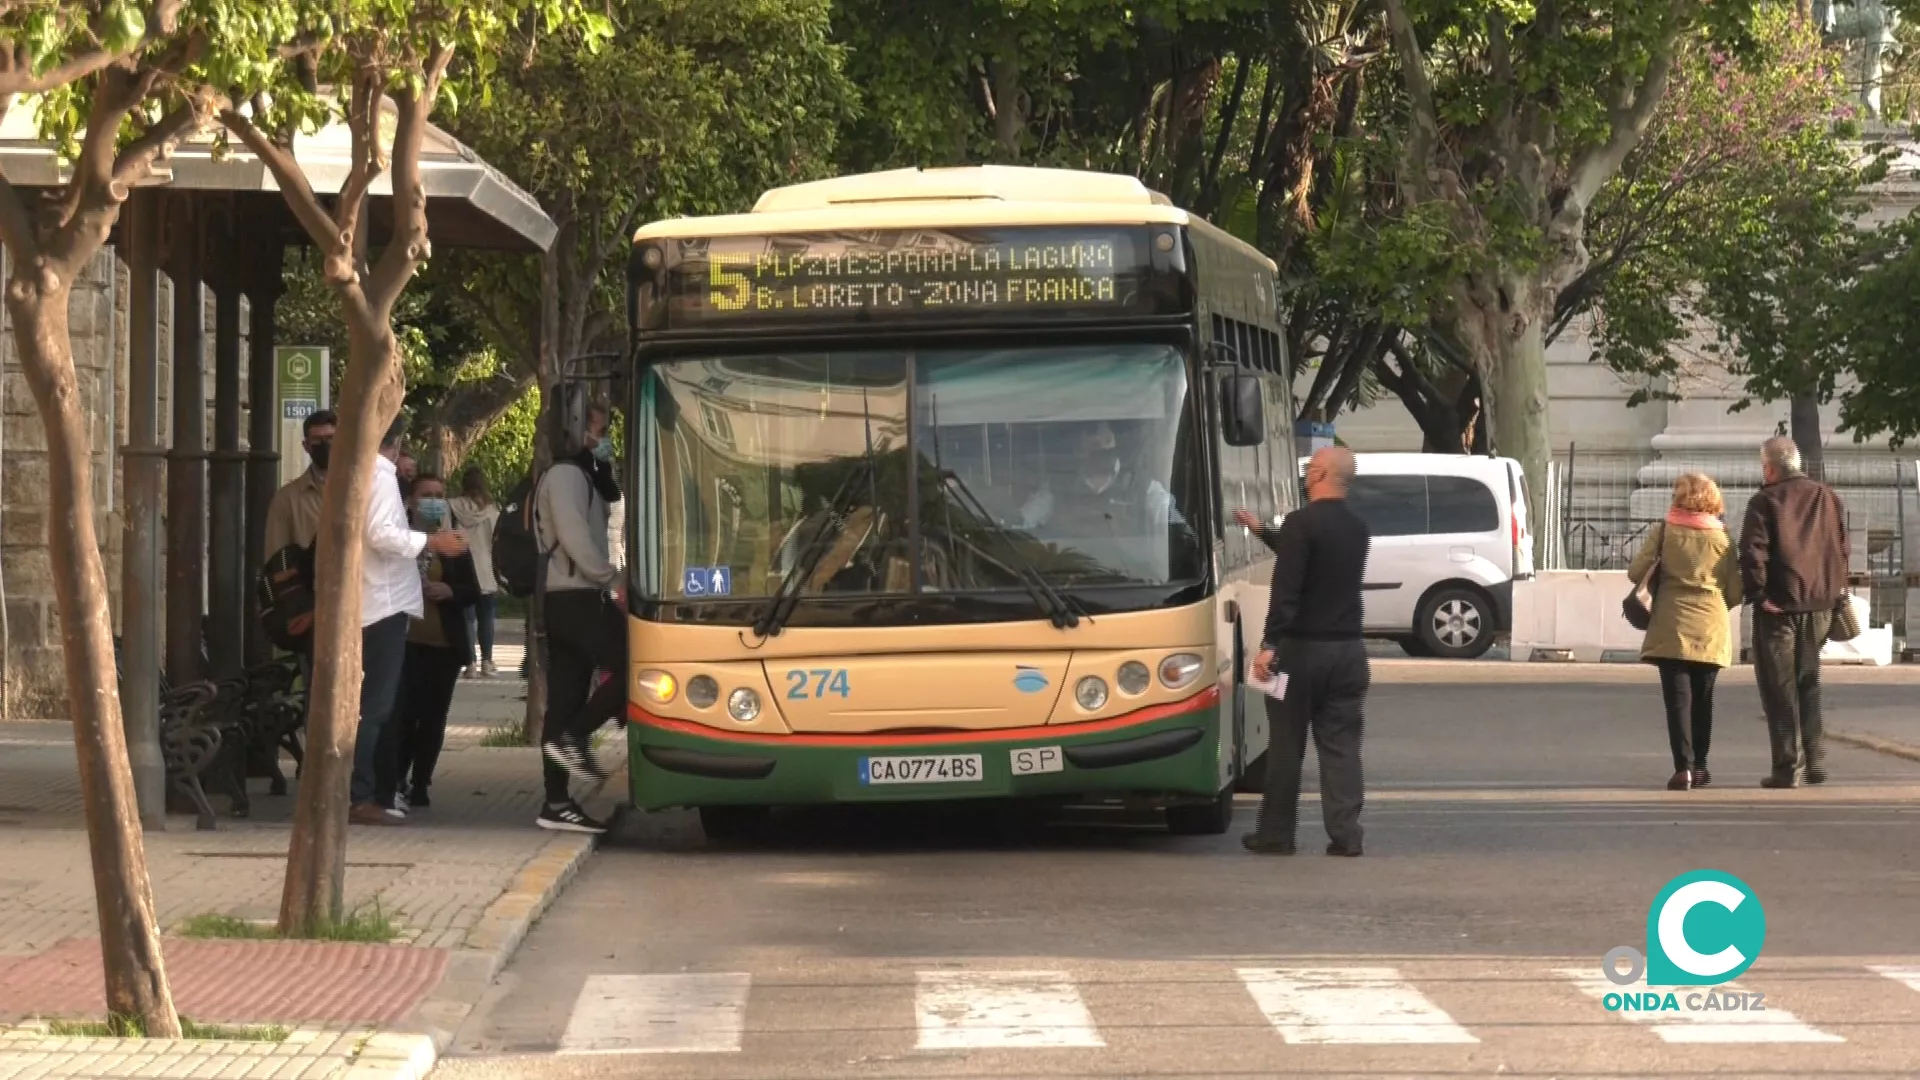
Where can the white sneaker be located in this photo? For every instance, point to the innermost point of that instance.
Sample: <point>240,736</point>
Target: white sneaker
<point>489,669</point>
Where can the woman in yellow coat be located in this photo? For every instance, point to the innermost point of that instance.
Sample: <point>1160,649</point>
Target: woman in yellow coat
<point>1690,637</point>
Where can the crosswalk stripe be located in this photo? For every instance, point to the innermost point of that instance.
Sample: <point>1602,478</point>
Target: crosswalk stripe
<point>1349,1005</point>
<point>1773,1024</point>
<point>977,1010</point>
<point>1907,975</point>
<point>658,1014</point>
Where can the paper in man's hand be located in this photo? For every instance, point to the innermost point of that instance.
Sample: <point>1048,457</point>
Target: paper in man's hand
<point>1274,685</point>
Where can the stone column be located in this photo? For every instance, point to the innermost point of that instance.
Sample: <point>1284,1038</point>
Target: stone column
<point>187,460</point>
<point>142,461</point>
<point>263,423</point>
<point>226,556</point>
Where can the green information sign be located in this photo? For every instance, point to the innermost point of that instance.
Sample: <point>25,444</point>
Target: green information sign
<point>303,384</point>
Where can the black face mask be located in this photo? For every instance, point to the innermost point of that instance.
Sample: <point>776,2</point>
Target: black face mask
<point>319,453</point>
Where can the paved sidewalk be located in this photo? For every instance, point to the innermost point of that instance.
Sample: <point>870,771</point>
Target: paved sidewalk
<point>462,882</point>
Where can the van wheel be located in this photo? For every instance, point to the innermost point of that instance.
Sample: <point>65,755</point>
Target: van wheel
<point>1202,819</point>
<point>733,824</point>
<point>1456,623</point>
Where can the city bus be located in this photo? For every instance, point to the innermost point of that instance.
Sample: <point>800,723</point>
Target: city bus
<point>932,485</point>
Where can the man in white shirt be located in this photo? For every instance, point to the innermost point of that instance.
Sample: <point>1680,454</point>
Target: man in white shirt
<point>390,595</point>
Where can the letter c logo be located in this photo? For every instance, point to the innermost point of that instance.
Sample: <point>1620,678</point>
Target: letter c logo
<point>1673,932</point>
<point>1723,911</point>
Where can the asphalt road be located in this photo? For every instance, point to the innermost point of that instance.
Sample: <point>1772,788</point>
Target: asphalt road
<point>1517,830</point>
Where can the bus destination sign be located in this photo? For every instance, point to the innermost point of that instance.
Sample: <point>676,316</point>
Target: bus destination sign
<point>918,275</point>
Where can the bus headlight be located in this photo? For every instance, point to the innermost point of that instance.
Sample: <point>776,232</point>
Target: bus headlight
<point>1091,693</point>
<point>658,686</point>
<point>743,705</point>
<point>1179,670</point>
<point>702,691</point>
<point>1134,678</point>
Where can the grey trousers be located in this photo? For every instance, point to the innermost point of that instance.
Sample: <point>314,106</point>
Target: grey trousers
<point>1786,662</point>
<point>1326,691</point>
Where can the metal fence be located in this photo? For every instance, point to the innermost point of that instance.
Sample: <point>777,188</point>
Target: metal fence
<point>1601,504</point>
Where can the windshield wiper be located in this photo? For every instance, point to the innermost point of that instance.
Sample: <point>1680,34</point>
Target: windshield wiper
<point>775,619</point>
<point>788,598</point>
<point>1056,607</point>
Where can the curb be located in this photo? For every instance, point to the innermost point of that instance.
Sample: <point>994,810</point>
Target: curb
<point>1877,744</point>
<point>471,969</point>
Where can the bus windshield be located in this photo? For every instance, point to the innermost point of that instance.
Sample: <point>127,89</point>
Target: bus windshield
<point>890,472</point>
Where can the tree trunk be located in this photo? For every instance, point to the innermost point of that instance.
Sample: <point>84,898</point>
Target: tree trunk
<point>136,976</point>
<point>370,396</point>
<point>1519,411</point>
<point>547,375</point>
<point>1503,330</point>
<point>1804,421</point>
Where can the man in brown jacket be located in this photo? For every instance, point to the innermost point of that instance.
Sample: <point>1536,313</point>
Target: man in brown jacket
<point>1793,563</point>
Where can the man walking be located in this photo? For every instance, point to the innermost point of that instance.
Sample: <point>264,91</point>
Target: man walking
<point>1793,559</point>
<point>390,595</point>
<point>1313,637</point>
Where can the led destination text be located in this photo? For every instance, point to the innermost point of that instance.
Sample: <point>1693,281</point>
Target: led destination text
<point>848,275</point>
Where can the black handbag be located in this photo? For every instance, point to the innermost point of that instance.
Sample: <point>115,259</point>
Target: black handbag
<point>1637,608</point>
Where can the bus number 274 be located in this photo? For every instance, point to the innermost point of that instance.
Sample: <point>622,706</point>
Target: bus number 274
<point>824,681</point>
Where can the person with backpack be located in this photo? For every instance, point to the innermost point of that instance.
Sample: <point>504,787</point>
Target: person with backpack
<point>476,515</point>
<point>585,615</point>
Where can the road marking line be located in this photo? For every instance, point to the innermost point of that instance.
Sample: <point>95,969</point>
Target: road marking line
<point>1907,975</point>
<point>1349,1005</point>
<point>974,1010</point>
<point>1772,1025</point>
<point>699,1013</point>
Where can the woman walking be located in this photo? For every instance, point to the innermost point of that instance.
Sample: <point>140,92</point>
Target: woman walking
<point>475,514</point>
<point>1695,579</point>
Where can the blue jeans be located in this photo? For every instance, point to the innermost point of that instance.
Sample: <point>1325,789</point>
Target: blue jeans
<point>383,652</point>
<point>480,618</point>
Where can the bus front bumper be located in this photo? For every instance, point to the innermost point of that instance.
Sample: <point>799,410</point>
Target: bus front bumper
<point>1170,751</point>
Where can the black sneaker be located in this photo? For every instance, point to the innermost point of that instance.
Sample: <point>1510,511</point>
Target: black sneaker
<point>1265,845</point>
<point>1701,777</point>
<point>1816,775</point>
<point>418,798</point>
<point>569,818</point>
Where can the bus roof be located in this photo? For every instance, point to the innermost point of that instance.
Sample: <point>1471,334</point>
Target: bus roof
<point>971,195</point>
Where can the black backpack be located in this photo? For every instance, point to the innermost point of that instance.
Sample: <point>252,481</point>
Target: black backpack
<point>284,588</point>
<point>516,545</point>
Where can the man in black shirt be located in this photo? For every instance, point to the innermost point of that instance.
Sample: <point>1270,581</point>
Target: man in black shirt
<point>1313,636</point>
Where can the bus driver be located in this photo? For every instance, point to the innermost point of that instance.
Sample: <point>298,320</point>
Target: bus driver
<point>1102,497</point>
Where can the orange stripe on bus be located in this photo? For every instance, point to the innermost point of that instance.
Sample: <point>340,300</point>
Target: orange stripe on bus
<point>1205,699</point>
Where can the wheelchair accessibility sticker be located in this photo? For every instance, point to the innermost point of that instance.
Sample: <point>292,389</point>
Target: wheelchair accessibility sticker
<point>708,581</point>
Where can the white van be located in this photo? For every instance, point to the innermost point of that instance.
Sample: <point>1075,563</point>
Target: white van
<point>1450,536</point>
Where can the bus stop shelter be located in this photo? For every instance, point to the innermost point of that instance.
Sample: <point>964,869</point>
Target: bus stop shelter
<point>195,508</point>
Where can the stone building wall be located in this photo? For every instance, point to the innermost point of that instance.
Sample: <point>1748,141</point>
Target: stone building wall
<point>33,680</point>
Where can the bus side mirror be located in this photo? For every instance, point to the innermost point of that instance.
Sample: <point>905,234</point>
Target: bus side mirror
<point>1242,417</point>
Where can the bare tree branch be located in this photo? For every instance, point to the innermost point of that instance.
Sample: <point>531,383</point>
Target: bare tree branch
<point>409,246</point>
<point>137,157</point>
<point>16,226</point>
<point>1629,116</point>
<point>364,105</point>
<point>336,250</point>
<point>1413,73</point>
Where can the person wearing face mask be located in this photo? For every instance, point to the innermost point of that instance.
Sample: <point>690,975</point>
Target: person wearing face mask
<point>1102,495</point>
<point>293,520</point>
<point>293,517</point>
<point>585,617</point>
<point>438,647</point>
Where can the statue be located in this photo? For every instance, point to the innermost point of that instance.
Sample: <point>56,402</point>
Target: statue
<point>1869,25</point>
